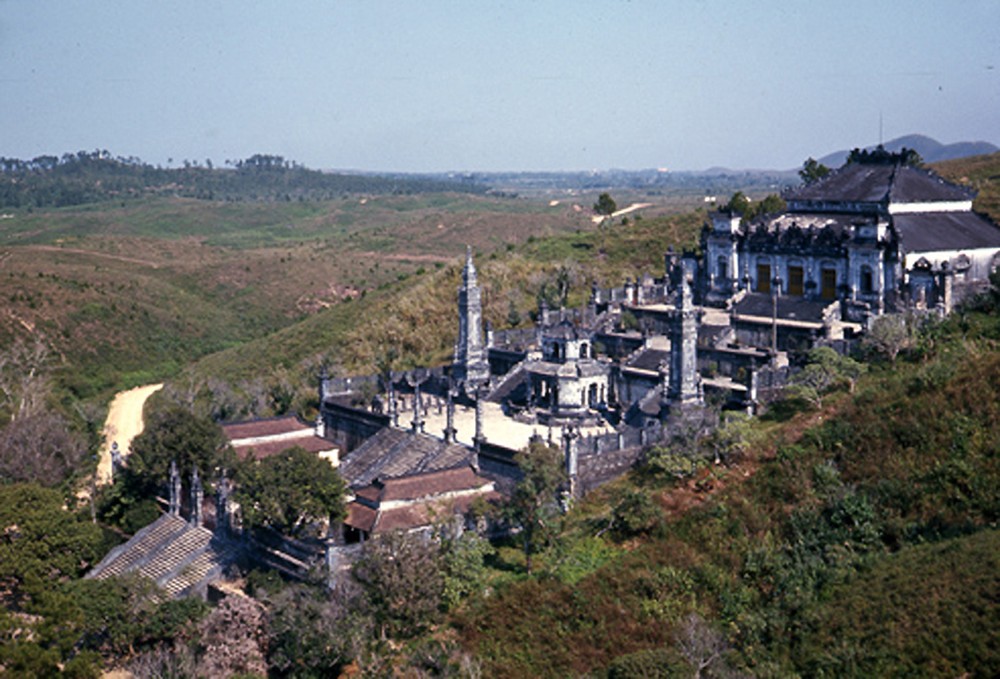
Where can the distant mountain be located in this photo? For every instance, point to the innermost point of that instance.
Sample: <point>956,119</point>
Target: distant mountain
<point>929,149</point>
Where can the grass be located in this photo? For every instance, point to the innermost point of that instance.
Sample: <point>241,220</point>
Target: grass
<point>859,540</point>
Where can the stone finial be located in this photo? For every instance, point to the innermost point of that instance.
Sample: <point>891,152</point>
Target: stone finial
<point>175,490</point>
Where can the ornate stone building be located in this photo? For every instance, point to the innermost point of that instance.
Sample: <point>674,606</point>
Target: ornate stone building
<point>876,235</point>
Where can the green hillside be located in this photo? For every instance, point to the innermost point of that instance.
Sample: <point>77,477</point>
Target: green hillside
<point>858,540</point>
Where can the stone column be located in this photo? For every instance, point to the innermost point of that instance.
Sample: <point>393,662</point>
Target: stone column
<point>197,498</point>
<point>449,429</point>
<point>222,507</point>
<point>175,490</point>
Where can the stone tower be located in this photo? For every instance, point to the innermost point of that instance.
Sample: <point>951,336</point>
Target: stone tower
<point>470,363</point>
<point>684,386</point>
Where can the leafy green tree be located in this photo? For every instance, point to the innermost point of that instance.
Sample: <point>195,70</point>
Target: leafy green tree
<point>738,204</point>
<point>605,205</point>
<point>812,171</point>
<point>533,505</point>
<point>290,492</point>
<point>175,434</point>
<point>463,567</point>
<point>771,204</point>
<point>634,514</point>
<point>41,542</point>
<point>824,369</point>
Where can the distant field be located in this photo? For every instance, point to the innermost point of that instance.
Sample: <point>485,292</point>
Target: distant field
<point>130,291</point>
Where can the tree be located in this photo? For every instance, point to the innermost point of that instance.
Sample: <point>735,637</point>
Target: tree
<point>532,506</point>
<point>312,634</point>
<point>824,369</point>
<point>41,542</point>
<point>738,204</point>
<point>462,566</point>
<point>290,491</point>
<point>888,335</point>
<point>701,645</point>
<point>40,448</point>
<point>231,639</point>
<point>403,582</point>
<point>771,204</point>
<point>23,379</point>
<point>605,205</point>
<point>177,435</point>
<point>812,171</point>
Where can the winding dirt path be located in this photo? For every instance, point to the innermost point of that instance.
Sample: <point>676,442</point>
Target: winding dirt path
<point>123,424</point>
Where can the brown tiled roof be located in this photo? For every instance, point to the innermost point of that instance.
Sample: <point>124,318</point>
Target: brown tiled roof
<point>392,453</point>
<point>431,484</point>
<point>361,517</point>
<point>408,517</point>
<point>259,451</point>
<point>269,427</point>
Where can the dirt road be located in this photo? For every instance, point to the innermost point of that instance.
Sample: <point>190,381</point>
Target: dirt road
<point>123,424</point>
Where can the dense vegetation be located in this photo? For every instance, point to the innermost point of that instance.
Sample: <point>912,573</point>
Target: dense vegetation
<point>855,540</point>
<point>95,176</point>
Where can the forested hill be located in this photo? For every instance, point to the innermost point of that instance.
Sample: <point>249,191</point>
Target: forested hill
<point>94,176</point>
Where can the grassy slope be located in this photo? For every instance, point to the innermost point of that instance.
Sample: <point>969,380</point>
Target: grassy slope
<point>131,291</point>
<point>981,173</point>
<point>802,556</point>
<point>417,316</point>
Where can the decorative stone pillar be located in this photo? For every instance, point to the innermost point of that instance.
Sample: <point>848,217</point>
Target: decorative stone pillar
<point>222,506</point>
<point>197,498</point>
<point>175,490</point>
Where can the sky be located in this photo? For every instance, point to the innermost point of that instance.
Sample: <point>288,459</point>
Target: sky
<point>494,85</point>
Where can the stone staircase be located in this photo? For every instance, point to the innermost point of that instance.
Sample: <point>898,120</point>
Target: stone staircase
<point>178,557</point>
<point>511,381</point>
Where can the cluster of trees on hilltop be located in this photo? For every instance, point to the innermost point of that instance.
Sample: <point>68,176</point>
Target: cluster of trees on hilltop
<point>93,176</point>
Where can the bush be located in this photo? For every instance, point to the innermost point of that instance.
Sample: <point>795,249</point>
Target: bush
<point>652,663</point>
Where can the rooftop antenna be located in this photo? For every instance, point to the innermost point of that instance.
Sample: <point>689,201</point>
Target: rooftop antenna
<point>880,128</point>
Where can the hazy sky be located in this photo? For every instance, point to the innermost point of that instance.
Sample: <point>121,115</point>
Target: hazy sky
<point>427,85</point>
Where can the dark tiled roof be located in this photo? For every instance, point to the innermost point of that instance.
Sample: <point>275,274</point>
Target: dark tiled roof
<point>565,330</point>
<point>392,453</point>
<point>269,427</point>
<point>177,556</point>
<point>873,183</point>
<point>928,232</point>
<point>649,359</point>
<point>789,308</point>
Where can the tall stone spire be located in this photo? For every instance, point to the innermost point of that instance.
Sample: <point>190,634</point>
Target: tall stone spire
<point>685,385</point>
<point>470,363</point>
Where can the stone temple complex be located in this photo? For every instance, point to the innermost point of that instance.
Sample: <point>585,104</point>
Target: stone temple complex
<point>638,362</point>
